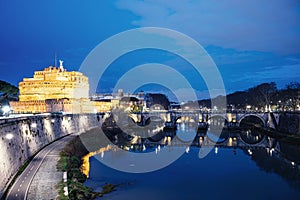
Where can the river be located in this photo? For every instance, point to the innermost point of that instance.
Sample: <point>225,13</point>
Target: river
<point>241,165</point>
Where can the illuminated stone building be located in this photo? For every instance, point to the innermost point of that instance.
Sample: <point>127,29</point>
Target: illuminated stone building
<point>56,90</point>
<point>54,83</point>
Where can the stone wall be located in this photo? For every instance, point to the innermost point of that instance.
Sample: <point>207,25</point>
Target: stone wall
<point>20,138</point>
<point>289,123</point>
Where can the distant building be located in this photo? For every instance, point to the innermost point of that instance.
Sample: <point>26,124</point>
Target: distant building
<point>56,90</point>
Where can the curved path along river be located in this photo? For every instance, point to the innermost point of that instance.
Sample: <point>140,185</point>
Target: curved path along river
<point>40,177</point>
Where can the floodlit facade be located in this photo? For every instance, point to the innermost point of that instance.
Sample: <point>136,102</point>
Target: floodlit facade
<point>56,90</point>
<point>54,83</point>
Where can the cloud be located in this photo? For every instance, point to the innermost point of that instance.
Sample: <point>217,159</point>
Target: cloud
<point>286,72</point>
<point>280,74</point>
<point>260,25</point>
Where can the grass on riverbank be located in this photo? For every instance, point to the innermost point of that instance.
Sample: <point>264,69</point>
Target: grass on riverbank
<point>70,162</point>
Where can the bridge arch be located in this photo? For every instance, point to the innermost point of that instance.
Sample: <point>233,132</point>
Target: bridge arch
<point>217,139</point>
<point>250,137</point>
<point>177,118</point>
<point>259,119</point>
<point>132,118</point>
<point>154,118</point>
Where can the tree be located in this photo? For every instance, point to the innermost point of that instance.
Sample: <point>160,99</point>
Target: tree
<point>8,93</point>
<point>267,90</point>
<point>290,95</point>
<point>263,94</point>
<point>157,99</point>
<point>8,89</point>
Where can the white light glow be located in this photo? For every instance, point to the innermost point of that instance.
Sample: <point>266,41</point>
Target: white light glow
<point>250,152</point>
<point>187,150</point>
<point>33,125</point>
<point>6,109</point>
<point>9,136</point>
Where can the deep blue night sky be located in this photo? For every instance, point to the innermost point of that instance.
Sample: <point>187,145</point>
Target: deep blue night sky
<point>252,41</point>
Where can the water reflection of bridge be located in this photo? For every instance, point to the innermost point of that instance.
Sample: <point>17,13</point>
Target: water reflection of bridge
<point>241,140</point>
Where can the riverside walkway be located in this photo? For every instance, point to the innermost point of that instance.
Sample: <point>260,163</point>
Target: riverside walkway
<point>39,179</point>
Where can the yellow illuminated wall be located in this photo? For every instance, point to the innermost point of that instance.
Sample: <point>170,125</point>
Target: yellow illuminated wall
<point>54,83</point>
<point>56,90</point>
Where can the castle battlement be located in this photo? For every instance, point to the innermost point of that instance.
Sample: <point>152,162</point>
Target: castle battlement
<point>54,83</point>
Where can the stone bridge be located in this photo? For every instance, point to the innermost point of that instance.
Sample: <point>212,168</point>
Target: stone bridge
<point>230,119</point>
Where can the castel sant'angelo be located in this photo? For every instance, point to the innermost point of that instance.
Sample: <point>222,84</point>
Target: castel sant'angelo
<point>56,90</point>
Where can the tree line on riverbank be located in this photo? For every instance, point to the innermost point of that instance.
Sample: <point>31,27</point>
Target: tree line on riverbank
<point>265,95</point>
<point>8,92</point>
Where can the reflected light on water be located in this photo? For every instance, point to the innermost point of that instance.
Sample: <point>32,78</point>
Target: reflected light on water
<point>169,140</point>
<point>250,152</point>
<point>165,140</point>
<point>200,140</point>
<point>187,150</point>
<point>85,167</point>
<point>230,142</point>
<point>271,151</point>
<point>182,126</point>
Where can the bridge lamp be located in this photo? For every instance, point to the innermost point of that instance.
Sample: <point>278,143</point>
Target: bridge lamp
<point>9,136</point>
